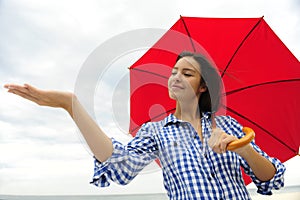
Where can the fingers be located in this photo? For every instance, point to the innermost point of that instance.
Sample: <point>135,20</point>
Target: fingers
<point>215,140</point>
<point>24,95</point>
<point>219,140</point>
<point>14,86</point>
<point>26,91</point>
<point>220,145</point>
<point>227,139</point>
<point>242,141</point>
<point>26,88</point>
<point>223,143</point>
<point>16,89</point>
<point>34,92</point>
<point>31,88</point>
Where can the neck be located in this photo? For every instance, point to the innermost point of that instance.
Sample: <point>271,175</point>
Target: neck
<point>190,113</point>
<point>187,111</point>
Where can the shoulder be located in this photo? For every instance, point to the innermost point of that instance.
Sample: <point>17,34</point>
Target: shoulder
<point>152,127</point>
<point>230,125</point>
<point>227,120</point>
<point>155,127</point>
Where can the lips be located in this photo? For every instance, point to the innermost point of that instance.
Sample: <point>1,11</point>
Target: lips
<point>176,86</point>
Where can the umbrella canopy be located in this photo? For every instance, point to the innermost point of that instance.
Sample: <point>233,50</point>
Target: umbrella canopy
<point>261,78</point>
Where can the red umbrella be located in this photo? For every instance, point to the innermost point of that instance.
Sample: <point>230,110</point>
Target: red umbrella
<point>261,78</point>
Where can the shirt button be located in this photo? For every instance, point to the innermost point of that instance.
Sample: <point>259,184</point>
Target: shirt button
<point>213,175</point>
<point>175,144</point>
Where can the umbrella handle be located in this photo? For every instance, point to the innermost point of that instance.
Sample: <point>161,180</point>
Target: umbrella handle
<point>242,141</point>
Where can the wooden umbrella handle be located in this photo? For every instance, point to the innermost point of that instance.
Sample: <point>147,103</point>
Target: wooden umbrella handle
<point>242,141</point>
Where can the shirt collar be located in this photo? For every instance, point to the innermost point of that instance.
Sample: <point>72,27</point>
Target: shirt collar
<point>171,119</point>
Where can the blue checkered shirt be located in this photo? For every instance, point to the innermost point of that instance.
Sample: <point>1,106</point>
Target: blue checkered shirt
<point>191,170</point>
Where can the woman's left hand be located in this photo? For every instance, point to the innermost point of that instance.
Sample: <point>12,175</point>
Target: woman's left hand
<point>219,140</point>
<point>263,169</point>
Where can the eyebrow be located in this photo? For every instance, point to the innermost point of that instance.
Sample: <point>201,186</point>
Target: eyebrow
<point>186,69</point>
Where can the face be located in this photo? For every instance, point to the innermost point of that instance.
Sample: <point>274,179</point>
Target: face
<point>184,82</point>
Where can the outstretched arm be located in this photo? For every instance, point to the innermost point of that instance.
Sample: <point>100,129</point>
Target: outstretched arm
<point>99,143</point>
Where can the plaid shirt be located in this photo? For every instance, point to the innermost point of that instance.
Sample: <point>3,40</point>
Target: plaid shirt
<point>191,170</point>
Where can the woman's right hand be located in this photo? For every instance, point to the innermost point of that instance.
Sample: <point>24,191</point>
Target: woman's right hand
<point>98,141</point>
<point>50,98</point>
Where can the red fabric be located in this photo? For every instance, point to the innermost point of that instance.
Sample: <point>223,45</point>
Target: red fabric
<point>261,78</point>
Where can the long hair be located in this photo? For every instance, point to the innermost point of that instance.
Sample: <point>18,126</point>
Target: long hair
<point>210,99</point>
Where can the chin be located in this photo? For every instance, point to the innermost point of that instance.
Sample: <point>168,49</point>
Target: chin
<point>175,97</point>
<point>172,96</point>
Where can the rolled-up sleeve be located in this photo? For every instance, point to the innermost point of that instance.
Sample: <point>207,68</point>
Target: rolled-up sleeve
<point>266,187</point>
<point>263,187</point>
<point>126,161</point>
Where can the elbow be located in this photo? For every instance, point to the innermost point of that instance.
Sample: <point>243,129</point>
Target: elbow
<point>123,183</point>
<point>267,175</point>
<point>124,178</point>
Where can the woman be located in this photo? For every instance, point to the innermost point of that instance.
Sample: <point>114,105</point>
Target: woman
<point>190,144</point>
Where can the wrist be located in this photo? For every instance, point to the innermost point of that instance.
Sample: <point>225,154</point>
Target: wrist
<point>67,101</point>
<point>244,151</point>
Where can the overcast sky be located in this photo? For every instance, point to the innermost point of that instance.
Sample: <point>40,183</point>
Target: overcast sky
<point>46,43</point>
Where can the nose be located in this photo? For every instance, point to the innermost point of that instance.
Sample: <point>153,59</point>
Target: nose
<point>177,77</point>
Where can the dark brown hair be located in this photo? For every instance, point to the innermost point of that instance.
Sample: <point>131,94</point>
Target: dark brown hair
<point>210,99</point>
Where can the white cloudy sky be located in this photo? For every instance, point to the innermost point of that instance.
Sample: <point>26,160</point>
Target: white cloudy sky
<point>45,43</point>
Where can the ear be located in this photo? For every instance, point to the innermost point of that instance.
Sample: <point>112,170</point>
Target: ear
<point>202,89</point>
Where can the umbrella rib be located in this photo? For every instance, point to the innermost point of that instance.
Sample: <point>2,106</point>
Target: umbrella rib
<point>187,31</point>
<point>260,84</point>
<point>141,70</point>
<point>259,126</point>
<point>240,45</point>
<point>134,129</point>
